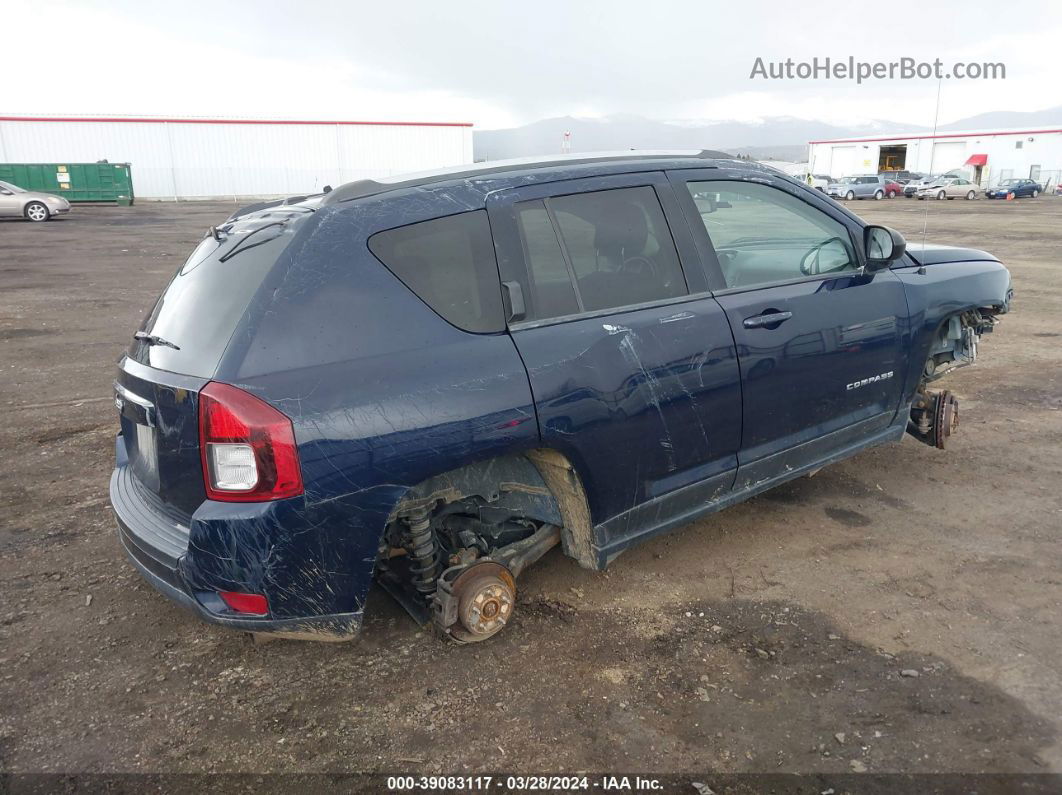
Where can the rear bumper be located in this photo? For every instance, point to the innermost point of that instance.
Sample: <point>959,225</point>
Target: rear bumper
<point>156,542</point>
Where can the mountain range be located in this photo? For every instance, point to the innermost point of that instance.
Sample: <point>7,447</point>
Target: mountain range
<point>777,138</point>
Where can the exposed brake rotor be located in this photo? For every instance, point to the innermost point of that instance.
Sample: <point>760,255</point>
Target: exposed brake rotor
<point>934,417</point>
<point>476,602</point>
<point>945,418</point>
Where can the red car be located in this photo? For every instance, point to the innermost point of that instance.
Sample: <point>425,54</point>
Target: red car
<point>893,189</point>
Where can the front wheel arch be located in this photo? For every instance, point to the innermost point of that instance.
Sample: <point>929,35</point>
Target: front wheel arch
<point>36,211</point>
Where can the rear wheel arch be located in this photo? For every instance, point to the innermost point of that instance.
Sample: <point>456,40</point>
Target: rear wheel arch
<point>548,484</point>
<point>454,543</point>
<point>488,478</point>
<point>566,484</point>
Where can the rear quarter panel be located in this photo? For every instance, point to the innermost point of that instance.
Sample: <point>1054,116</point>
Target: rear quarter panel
<point>383,393</point>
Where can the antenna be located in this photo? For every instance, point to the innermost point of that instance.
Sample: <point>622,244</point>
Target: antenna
<point>932,154</point>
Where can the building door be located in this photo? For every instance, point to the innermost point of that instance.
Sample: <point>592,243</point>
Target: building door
<point>892,157</point>
<point>843,161</point>
<point>948,156</point>
<point>1034,173</point>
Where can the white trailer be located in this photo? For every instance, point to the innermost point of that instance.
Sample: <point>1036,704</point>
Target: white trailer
<point>197,158</point>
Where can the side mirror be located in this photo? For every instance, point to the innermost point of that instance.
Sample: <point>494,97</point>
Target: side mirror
<point>882,246</point>
<point>5,192</point>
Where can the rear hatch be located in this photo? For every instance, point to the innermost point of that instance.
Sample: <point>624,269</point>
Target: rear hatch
<point>177,351</point>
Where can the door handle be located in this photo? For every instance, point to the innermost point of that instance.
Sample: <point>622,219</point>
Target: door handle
<point>513,296</point>
<point>767,319</point>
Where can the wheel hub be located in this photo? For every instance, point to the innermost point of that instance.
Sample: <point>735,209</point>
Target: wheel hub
<point>486,608</point>
<point>484,595</point>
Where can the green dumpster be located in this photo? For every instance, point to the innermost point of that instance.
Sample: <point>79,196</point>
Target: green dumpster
<point>76,182</point>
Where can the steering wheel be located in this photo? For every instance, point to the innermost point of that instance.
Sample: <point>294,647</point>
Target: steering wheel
<point>813,268</point>
<point>637,266</point>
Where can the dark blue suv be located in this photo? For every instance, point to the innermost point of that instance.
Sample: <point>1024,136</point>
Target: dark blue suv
<point>434,380</point>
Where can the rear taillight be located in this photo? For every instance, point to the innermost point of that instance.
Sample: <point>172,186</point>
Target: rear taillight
<point>248,447</point>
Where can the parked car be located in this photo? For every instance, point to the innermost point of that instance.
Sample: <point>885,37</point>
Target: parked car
<point>1018,188</point>
<point>1058,189</point>
<point>31,205</point>
<point>435,380</point>
<point>858,187</point>
<point>948,188</point>
<point>903,177</point>
<point>912,187</point>
<point>893,189</point>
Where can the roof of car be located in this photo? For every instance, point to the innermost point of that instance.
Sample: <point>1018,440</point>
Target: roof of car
<point>496,168</point>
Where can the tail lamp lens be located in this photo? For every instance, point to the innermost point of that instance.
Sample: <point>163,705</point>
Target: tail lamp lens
<point>247,446</point>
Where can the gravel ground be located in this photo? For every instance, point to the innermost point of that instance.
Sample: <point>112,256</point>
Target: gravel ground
<point>897,612</point>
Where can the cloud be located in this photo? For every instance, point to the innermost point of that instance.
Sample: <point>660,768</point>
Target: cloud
<point>498,64</point>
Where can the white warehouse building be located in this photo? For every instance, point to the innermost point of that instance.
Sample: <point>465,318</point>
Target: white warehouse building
<point>986,157</point>
<point>198,158</point>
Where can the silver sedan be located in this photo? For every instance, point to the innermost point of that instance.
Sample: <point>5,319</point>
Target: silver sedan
<point>32,205</point>
<point>948,188</point>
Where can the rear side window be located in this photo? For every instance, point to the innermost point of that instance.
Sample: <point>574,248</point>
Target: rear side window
<point>601,250</point>
<point>551,282</point>
<point>449,263</point>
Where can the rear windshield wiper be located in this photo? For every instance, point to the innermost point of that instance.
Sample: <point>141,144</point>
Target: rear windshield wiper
<point>154,339</point>
<point>242,245</point>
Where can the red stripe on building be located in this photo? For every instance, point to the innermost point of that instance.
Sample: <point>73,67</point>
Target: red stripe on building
<point>941,135</point>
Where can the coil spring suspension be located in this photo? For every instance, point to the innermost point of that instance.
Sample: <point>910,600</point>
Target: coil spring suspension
<point>424,562</point>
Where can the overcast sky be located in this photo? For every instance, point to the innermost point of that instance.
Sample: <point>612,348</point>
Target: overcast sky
<point>500,64</point>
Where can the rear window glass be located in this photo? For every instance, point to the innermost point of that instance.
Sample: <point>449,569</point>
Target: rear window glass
<point>198,311</point>
<point>449,263</point>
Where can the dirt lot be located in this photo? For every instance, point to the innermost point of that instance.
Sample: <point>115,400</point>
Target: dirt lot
<point>770,637</point>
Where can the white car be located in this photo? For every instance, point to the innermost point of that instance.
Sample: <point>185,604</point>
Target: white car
<point>31,205</point>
